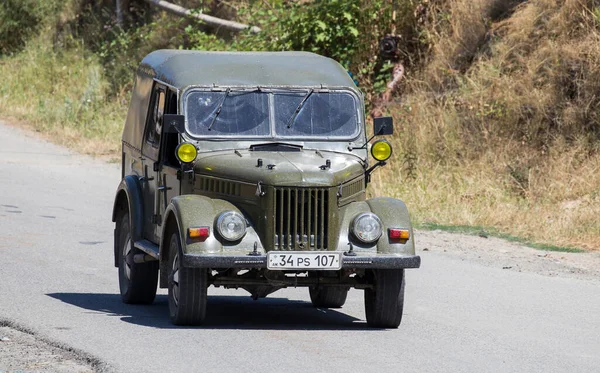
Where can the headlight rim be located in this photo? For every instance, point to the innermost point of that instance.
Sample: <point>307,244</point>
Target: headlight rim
<point>376,218</point>
<point>219,221</point>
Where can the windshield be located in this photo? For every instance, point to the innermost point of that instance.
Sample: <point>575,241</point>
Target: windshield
<point>322,114</point>
<point>241,114</point>
<point>272,114</point>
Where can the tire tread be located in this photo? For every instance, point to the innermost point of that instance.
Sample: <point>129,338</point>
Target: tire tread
<point>384,304</point>
<point>328,297</point>
<point>142,284</point>
<point>193,284</point>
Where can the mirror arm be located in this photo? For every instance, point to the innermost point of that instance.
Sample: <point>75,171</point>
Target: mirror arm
<point>369,171</point>
<point>363,146</point>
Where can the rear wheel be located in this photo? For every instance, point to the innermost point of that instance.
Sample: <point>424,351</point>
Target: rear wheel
<point>187,288</point>
<point>384,303</point>
<point>328,297</point>
<point>137,281</point>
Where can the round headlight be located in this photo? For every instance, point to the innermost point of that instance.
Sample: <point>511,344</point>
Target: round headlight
<point>381,150</point>
<point>231,225</point>
<point>186,152</point>
<point>367,227</point>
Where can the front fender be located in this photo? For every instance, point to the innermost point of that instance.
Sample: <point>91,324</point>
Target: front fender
<point>393,214</point>
<point>199,211</point>
<point>129,196</point>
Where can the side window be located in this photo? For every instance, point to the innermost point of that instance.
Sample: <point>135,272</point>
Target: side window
<point>170,139</point>
<point>154,125</point>
<point>151,144</point>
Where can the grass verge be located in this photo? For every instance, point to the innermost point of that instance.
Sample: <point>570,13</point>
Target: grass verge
<point>558,206</point>
<point>62,94</point>
<point>474,230</point>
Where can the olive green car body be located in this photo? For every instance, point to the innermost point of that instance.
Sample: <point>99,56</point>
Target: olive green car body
<point>163,196</point>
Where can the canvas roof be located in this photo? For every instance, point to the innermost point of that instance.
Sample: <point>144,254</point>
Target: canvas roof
<point>182,68</point>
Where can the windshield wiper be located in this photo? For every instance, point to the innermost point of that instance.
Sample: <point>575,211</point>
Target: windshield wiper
<point>219,108</point>
<point>297,111</point>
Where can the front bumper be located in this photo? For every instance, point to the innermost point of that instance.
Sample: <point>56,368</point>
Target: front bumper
<point>260,261</point>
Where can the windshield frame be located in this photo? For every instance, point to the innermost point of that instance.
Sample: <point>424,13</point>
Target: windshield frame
<point>272,136</point>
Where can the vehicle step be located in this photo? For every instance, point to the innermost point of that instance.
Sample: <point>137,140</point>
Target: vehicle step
<point>147,247</point>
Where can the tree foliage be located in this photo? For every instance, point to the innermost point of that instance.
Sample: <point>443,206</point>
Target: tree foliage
<point>345,30</point>
<point>19,19</point>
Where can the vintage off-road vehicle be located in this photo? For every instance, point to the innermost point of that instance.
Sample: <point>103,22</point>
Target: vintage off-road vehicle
<point>249,170</point>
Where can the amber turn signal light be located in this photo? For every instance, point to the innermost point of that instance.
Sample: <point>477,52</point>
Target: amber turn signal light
<point>199,232</point>
<point>399,234</point>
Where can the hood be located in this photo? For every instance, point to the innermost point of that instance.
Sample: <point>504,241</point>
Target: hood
<point>282,168</point>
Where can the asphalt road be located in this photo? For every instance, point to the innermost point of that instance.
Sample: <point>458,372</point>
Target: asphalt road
<point>57,278</point>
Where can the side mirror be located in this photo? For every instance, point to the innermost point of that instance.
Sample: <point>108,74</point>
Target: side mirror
<point>383,126</point>
<point>174,123</point>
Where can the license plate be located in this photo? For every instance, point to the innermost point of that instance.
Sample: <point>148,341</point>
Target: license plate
<point>280,260</point>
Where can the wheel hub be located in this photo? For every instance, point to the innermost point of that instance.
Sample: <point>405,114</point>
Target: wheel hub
<point>175,279</point>
<point>126,262</point>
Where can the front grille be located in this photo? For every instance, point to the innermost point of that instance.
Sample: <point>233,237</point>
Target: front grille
<point>301,218</point>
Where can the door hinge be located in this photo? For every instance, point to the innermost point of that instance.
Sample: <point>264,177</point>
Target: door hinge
<point>156,219</point>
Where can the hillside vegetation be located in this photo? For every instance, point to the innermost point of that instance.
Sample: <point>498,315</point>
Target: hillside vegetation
<point>497,116</point>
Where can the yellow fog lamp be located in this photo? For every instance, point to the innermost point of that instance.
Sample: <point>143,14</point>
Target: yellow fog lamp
<point>381,150</point>
<point>186,152</point>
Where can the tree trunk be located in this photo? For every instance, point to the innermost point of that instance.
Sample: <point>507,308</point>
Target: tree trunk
<point>210,20</point>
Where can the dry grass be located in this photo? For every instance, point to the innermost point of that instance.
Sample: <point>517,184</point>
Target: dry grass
<point>560,207</point>
<point>501,128</point>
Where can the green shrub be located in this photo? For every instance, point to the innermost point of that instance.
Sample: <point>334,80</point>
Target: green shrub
<point>21,19</point>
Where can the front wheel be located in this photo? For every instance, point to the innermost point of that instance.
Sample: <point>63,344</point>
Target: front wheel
<point>137,281</point>
<point>187,288</point>
<point>384,303</point>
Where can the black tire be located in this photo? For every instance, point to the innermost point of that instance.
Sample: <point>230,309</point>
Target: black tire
<point>384,303</point>
<point>137,281</point>
<point>187,288</point>
<point>328,297</point>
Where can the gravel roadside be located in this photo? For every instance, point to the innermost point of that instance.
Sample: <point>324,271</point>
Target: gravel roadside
<point>499,253</point>
<point>22,351</point>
